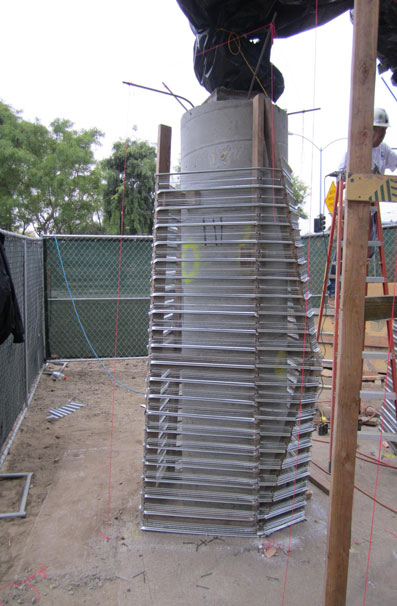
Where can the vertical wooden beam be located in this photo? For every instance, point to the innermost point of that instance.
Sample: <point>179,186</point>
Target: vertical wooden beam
<point>163,164</point>
<point>272,147</point>
<point>258,131</point>
<point>366,13</point>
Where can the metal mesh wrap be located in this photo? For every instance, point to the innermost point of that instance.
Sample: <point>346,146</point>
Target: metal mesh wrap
<point>388,415</point>
<point>91,267</point>
<point>21,363</point>
<point>233,362</point>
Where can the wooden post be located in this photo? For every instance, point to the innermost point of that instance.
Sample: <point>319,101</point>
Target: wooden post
<point>258,131</point>
<point>163,164</point>
<point>366,14</point>
<point>380,308</point>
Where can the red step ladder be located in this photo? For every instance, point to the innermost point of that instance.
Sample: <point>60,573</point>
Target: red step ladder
<point>335,262</point>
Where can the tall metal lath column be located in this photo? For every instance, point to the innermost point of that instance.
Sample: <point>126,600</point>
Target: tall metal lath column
<point>233,361</point>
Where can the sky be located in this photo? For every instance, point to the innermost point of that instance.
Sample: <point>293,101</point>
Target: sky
<point>68,59</point>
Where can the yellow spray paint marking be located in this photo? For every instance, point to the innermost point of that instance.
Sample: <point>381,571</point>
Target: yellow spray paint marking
<point>246,236</point>
<point>133,533</point>
<point>280,357</point>
<point>188,275</point>
<point>243,246</point>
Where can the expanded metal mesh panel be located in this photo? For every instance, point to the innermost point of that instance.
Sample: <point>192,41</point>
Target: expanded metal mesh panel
<point>91,266</point>
<point>233,361</point>
<point>20,363</point>
<point>389,408</point>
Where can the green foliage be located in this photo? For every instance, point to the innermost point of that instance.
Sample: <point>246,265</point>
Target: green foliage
<point>22,146</point>
<point>300,191</point>
<point>69,199</point>
<point>138,160</point>
<point>48,177</point>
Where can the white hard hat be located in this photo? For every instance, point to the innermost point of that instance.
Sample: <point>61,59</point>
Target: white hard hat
<point>381,118</point>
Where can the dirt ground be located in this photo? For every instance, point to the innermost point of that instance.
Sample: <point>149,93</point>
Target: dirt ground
<point>80,542</point>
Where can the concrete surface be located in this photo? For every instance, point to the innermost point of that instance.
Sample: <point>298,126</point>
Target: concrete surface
<point>86,487</point>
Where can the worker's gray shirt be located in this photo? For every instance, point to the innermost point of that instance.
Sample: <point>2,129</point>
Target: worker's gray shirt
<point>383,158</point>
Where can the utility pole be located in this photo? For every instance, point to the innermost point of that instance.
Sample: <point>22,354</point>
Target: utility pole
<point>359,160</point>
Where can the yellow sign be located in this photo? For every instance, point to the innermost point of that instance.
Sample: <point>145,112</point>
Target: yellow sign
<point>371,188</point>
<point>330,199</point>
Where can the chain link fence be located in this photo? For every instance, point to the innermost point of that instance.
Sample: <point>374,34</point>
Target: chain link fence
<point>318,257</point>
<point>92,265</point>
<point>20,364</point>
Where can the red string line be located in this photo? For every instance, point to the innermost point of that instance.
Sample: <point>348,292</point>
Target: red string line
<point>272,34</point>
<point>376,501</point>
<point>301,400</point>
<point>363,454</point>
<point>367,494</point>
<point>107,536</point>
<point>391,344</point>
<point>236,37</point>
<point>374,461</point>
<point>299,428</point>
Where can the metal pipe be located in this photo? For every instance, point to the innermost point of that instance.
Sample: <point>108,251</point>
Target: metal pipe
<point>156,90</point>
<point>93,237</point>
<point>99,299</point>
<point>15,235</point>
<point>175,97</point>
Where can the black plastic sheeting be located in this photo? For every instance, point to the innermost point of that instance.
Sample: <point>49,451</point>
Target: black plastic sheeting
<point>222,60</point>
<point>387,38</point>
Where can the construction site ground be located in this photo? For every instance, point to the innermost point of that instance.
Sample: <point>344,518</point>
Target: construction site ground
<point>80,542</point>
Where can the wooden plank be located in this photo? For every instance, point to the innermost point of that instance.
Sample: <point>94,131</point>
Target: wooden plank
<point>163,163</point>
<point>319,480</point>
<point>258,131</point>
<point>352,305</point>
<point>386,437</point>
<point>380,308</point>
<point>273,153</point>
<point>370,341</point>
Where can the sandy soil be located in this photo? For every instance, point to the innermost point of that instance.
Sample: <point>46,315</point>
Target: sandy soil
<point>80,543</point>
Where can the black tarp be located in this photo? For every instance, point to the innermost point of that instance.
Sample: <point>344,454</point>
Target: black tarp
<point>387,37</point>
<point>222,60</point>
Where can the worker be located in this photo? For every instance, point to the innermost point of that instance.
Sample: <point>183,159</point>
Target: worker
<point>383,158</point>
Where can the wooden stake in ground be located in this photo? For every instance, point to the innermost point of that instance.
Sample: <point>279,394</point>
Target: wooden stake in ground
<point>366,14</point>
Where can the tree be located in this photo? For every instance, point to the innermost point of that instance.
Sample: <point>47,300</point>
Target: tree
<point>68,194</point>
<point>49,179</point>
<point>138,158</point>
<point>22,147</point>
<point>300,192</point>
